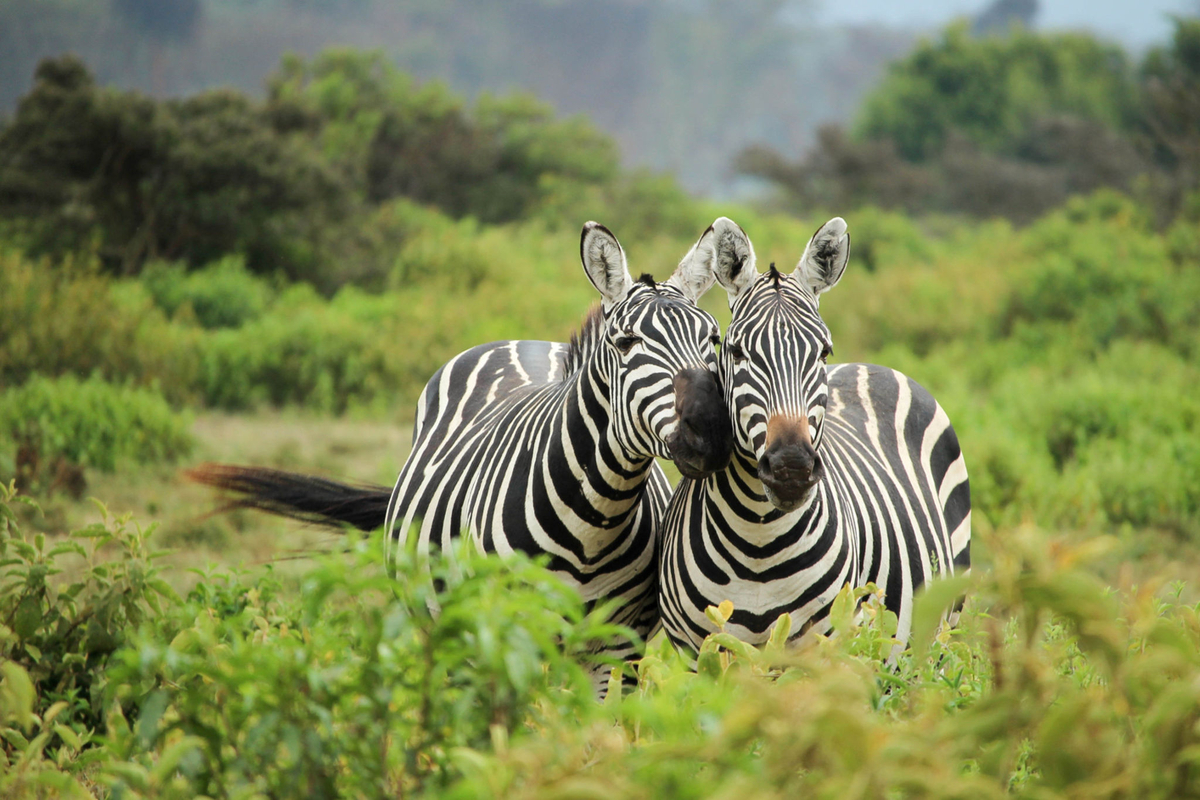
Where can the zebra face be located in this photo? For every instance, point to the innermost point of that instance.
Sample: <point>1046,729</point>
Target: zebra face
<point>659,360</point>
<point>772,363</point>
<point>663,384</point>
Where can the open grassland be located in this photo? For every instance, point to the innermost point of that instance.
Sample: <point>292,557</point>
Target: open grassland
<point>186,518</point>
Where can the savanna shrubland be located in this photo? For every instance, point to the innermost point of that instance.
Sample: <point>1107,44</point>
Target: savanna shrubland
<point>344,684</point>
<point>1065,352</point>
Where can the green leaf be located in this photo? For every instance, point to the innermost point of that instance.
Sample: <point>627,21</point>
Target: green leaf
<point>151,712</point>
<point>930,607</point>
<point>16,694</point>
<point>841,614</point>
<point>720,614</point>
<point>69,736</point>
<point>168,759</point>
<point>780,632</point>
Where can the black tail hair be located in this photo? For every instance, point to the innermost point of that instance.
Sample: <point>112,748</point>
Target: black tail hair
<point>302,497</point>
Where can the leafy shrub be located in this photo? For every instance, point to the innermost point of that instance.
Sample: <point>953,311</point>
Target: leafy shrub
<point>62,423</point>
<point>61,320</point>
<point>60,623</point>
<point>349,689</point>
<point>222,295</point>
<point>1051,685</point>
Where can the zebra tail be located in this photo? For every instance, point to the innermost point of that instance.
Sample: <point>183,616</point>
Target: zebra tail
<point>297,496</point>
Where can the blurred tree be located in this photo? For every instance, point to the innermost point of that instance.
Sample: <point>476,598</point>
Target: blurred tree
<point>190,179</point>
<point>991,89</point>
<point>842,173</point>
<point>1171,80</point>
<point>1001,126</point>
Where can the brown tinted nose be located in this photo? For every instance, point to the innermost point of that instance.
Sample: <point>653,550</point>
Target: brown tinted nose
<point>789,464</point>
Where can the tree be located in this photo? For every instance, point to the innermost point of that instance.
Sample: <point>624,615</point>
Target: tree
<point>1171,77</point>
<point>990,90</point>
<point>189,179</point>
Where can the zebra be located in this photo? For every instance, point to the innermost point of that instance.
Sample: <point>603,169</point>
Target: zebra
<point>840,474</point>
<point>550,448</point>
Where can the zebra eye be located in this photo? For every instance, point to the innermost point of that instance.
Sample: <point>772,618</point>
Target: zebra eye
<point>735,352</point>
<point>826,352</point>
<point>715,339</point>
<point>626,343</point>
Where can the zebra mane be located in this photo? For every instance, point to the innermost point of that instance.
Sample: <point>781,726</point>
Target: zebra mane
<point>648,280</point>
<point>774,274</point>
<point>583,341</point>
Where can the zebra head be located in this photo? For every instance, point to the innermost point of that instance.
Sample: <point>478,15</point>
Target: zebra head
<point>656,352</point>
<point>772,363</point>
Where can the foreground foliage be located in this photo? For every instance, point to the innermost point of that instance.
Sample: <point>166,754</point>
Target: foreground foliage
<point>1053,685</point>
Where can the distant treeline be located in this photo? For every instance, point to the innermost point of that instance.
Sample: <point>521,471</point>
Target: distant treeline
<point>1008,126</point>
<point>298,184</point>
<point>681,84</point>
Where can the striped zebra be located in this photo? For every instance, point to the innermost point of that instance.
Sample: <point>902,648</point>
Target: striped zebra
<point>842,474</point>
<point>549,448</point>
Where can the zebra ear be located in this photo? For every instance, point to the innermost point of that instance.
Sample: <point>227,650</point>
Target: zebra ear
<point>604,262</point>
<point>731,256</point>
<point>696,272</point>
<point>825,257</point>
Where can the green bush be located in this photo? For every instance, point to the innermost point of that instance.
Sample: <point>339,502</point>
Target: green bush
<point>992,88</point>
<point>1051,685</point>
<point>63,423</point>
<point>222,295</point>
<point>60,623</point>
<point>61,320</point>
<point>348,685</point>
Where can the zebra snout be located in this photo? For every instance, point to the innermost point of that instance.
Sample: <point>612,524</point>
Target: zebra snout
<point>703,441</point>
<point>789,467</point>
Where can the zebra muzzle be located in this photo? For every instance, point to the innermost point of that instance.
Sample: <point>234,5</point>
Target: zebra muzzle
<point>703,441</point>
<point>790,467</point>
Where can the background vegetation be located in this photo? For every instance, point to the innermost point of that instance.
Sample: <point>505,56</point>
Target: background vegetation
<point>271,281</point>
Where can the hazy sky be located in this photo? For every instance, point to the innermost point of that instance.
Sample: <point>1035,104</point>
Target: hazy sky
<point>1135,23</point>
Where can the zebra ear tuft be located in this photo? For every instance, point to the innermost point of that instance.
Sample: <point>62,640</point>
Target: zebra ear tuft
<point>728,250</point>
<point>825,258</point>
<point>604,262</point>
<point>694,276</point>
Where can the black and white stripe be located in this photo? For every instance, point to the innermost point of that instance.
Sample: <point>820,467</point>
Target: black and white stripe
<point>549,448</point>
<point>843,474</point>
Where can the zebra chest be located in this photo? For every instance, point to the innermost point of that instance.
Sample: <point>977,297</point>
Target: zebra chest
<point>766,567</point>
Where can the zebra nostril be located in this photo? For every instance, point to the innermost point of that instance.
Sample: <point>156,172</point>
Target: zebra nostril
<point>789,470</point>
